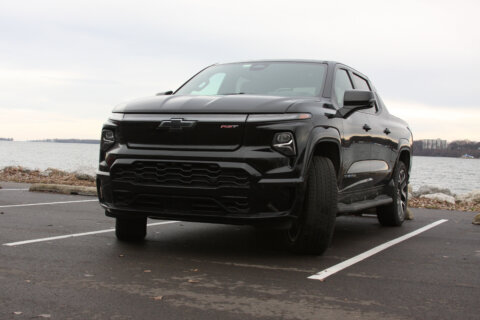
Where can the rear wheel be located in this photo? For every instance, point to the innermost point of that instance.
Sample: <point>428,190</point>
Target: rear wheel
<point>128,229</point>
<point>394,213</point>
<point>312,231</point>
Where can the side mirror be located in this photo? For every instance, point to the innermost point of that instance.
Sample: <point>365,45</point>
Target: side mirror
<point>166,93</point>
<point>354,100</point>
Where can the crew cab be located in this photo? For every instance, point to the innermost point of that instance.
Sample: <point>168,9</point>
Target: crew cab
<point>283,144</point>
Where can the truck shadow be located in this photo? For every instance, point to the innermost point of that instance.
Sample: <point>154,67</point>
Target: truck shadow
<point>243,244</point>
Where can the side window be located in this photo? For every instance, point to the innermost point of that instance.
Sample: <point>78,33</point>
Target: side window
<point>342,83</point>
<point>360,83</point>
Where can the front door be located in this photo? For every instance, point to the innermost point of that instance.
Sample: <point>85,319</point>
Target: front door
<point>356,142</point>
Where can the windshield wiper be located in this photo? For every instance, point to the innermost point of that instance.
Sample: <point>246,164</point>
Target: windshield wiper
<point>232,93</point>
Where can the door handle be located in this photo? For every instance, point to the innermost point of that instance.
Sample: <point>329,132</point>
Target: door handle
<point>366,127</point>
<point>387,131</point>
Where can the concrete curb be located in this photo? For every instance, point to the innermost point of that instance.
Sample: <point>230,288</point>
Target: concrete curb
<point>63,189</point>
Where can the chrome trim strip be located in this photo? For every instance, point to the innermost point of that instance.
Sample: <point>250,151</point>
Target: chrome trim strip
<point>356,184</point>
<point>224,118</point>
<point>367,166</point>
<point>278,117</point>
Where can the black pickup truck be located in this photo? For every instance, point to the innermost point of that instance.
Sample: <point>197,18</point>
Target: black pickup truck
<point>283,144</point>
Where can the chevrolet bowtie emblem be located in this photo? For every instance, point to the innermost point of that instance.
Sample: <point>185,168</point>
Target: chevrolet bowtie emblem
<point>177,124</point>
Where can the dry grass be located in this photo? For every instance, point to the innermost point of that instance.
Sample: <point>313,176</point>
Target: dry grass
<point>434,204</point>
<point>50,176</point>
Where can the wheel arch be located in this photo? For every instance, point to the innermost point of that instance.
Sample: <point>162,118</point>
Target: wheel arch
<point>325,142</point>
<point>405,157</point>
<point>405,153</point>
<point>328,149</point>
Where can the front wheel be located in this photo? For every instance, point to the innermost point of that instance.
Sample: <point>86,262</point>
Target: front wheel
<point>394,213</point>
<point>128,229</point>
<point>312,230</point>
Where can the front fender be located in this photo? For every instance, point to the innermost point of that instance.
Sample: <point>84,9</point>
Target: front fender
<point>317,136</point>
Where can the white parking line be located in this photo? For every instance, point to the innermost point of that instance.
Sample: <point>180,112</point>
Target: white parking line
<point>347,263</point>
<point>19,243</point>
<point>44,203</point>
<point>14,189</point>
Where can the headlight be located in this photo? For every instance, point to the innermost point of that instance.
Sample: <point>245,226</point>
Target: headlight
<point>278,117</point>
<point>116,116</point>
<point>284,142</point>
<point>108,139</point>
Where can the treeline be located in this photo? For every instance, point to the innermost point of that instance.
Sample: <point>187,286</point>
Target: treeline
<point>454,149</point>
<point>6,139</point>
<point>91,141</point>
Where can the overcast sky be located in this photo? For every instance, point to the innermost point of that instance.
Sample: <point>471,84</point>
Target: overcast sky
<point>65,65</point>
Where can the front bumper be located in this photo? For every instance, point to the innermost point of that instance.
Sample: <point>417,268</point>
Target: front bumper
<point>203,191</point>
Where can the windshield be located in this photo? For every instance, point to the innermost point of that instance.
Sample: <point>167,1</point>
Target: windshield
<point>260,78</point>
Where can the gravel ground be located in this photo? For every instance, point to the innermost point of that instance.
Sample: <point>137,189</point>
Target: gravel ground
<point>434,204</point>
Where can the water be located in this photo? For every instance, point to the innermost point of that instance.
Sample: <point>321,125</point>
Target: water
<point>80,157</point>
<point>458,175</point>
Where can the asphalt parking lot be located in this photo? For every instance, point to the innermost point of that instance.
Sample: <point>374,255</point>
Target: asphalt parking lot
<point>59,259</point>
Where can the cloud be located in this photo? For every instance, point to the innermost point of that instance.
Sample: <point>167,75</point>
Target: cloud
<point>80,60</point>
<point>429,122</point>
<point>28,124</point>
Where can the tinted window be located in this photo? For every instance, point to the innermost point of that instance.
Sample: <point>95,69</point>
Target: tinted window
<point>342,83</point>
<point>209,86</point>
<point>360,83</point>
<point>262,78</point>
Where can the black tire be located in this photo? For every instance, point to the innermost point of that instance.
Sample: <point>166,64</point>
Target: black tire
<point>312,231</point>
<point>394,214</point>
<point>128,229</point>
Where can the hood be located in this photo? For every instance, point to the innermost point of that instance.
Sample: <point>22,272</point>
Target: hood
<point>210,104</point>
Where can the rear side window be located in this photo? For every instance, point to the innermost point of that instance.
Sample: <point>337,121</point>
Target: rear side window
<point>342,83</point>
<point>360,83</point>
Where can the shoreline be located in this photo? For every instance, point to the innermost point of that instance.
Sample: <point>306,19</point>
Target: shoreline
<point>53,176</point>
<point>48,176</point>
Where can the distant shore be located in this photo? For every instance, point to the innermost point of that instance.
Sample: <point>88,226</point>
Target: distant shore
<point>457,149</point>
<point>55,176</point>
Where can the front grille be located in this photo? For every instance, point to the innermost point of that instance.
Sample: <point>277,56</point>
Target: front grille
<point>180,174</point>
<point>183,204</point>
